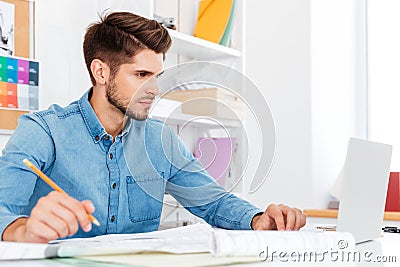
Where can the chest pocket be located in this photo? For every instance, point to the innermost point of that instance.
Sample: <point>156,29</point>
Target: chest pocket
<point>145,196</point>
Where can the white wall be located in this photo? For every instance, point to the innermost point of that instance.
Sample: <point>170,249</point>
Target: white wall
<point>58,45</point>
<point>338,98</point>
<point>307,59</point>
<point>277,59</point>
<point>59,38</point>
<point>383,74</point>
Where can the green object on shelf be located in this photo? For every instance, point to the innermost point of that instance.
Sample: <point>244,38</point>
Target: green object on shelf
<point>227,36</point>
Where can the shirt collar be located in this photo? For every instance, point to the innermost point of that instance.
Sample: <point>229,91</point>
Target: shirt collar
<point>93,124</point>
<point>127,127</point>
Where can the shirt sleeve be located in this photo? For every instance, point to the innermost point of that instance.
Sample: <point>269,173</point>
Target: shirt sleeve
<point>31,140</point>
<point>199,193</point>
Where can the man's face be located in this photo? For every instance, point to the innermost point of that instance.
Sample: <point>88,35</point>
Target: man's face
<point>134,86</point>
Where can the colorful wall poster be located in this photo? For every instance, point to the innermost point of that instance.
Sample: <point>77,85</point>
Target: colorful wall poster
<point>19,83</point>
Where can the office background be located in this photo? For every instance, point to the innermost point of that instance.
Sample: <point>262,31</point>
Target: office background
<point>308,57</point>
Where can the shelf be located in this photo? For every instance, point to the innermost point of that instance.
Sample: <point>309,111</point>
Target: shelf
<point>6,132</point>
<point>197,121</point>
<point>170,111</point>
<point>389,215</point>
<point>200,49</point>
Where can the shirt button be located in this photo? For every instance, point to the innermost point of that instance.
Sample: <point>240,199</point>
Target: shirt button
<point>112,218</point>
<point>96,138</point>
<point>106,137</point>
<point>114,185</point>
<point>111,156</point>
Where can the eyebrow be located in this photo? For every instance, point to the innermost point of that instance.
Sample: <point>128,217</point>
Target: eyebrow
<point>150,72</point>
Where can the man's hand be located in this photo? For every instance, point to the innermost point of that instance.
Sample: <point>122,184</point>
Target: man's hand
<point>279,217</point>
<point>55,216</point>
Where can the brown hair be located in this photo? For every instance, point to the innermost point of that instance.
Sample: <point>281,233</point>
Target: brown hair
<point>121,35</point>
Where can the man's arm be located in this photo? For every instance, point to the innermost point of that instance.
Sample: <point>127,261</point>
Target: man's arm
<point>56,214</point>
<point>17,182</point>
<point>15,230</point>
<point>202,196</point>
<point>199,193</point>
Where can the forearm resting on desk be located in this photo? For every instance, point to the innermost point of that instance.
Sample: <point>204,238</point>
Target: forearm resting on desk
<point>15,231</point>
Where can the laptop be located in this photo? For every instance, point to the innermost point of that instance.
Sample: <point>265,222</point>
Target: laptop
<point>363,190</point>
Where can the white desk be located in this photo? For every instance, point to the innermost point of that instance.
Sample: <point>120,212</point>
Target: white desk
<point>387,246</point>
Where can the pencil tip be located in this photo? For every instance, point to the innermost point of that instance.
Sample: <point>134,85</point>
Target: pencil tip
<point>96,222</point>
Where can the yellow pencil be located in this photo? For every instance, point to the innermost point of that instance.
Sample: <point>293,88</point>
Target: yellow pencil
<point>54,186</point>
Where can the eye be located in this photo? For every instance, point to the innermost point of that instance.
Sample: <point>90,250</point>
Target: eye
<point>159,75</point>
<point>141,74</point>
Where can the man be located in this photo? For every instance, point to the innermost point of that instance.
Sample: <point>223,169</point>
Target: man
<point>81,147</point>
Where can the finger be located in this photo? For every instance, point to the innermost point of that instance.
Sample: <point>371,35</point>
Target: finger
<point>58,225</point>
<point>52,205</point>
<point>290,217</point>
<point>300,219</point>
<point>80,213</point>
<point>38,232</point>
<point>88,205</point>
<point>76,208</point>
<point>276,214</point>
<point>46,216</point>
<point>68,218</point>
<point>303,220</point>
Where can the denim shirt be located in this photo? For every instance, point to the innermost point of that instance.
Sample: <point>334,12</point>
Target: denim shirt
<point>125,179</point>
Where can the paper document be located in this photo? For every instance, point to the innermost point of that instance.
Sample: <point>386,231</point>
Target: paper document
<point>252,243</point>
<point>197,238</point>
<point>188,239</point>
<point>17,251</point>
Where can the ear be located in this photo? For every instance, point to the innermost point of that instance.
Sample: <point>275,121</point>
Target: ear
<point>100,71</point>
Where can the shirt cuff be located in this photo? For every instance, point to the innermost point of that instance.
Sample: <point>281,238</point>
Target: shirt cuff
<point>5,221</point>
<point>245,222</point>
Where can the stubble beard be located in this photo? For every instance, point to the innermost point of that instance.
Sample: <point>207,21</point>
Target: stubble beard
<point>123,104</point>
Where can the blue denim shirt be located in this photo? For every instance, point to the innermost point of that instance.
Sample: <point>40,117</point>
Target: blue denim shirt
<point>71,146</point>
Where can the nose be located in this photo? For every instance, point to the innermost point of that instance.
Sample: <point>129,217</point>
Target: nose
<point>152,86</point>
